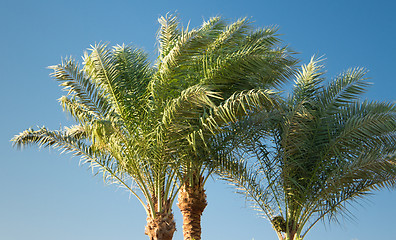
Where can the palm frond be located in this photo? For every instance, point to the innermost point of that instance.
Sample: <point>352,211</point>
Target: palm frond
<point>231,35</point>
<point>80,87</point>
<point>168,33</point>
<point>66,142</point>
<point>239,105</point>
<point>78,110</point>
<point>308,80</point>
<point>100,65</point>
<point>135,72</point>
<point>255,181</point>
<point>345,89</point>
<point>133,83</point>
<point>245,68</point>
<point>181,59</point>
<point>181,117</point>
<point>351,182</point>
<point>365,125</point>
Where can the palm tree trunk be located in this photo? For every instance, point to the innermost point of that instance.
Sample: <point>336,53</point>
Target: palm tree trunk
<point>192,202</point>
<point>161,227</point>
<point>286,236</point>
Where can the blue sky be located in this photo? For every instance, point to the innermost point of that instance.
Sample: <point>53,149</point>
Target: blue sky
<point>46,196</point>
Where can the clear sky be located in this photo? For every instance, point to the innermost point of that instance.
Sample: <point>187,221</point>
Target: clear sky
<point>46,196</point>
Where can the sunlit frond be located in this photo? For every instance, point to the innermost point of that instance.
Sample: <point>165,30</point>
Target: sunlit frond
<point>231,35</point>
<point>308,80</point>
<point>78,110</point>
<point>239,105</point>
<point>66,142</point>
<point>345,89</point>
<point>168,33</point>
<point>80,87</point>
<point>100,65</point>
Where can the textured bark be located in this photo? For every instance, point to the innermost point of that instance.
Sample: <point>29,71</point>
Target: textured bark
<point>192,202</point>
<point>161,227</point>
<point>292,235</point>
<point>280,236</point>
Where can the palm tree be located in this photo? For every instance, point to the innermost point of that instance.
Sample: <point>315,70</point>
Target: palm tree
<point>235,62</point>
<point>320,149</point>
<point>120,128</point>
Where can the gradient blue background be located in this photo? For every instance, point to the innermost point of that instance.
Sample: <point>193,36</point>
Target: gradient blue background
<point>46,196</point>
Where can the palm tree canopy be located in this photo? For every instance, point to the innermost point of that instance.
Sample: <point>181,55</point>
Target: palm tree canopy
<point>236,66</point>
<point>319,150</point>
<point>117,124</point>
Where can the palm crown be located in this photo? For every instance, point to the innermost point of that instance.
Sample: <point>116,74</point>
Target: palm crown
<point>118,127</point>
<point>313,154</point>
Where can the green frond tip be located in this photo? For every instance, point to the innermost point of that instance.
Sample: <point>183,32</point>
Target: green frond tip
<point>309,78</point>
<point>168,33</point>
<point>29,137</point>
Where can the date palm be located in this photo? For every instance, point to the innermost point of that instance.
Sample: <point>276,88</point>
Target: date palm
<point>237,63</point>
<point>316,152</point>
<point>120,130</point>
